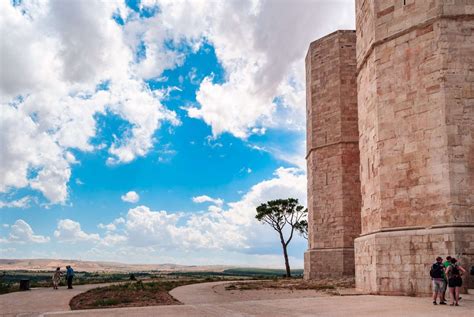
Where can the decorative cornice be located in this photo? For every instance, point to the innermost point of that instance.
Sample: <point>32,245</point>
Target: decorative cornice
<point>314,148</point>
<point>418,26</point>
<point>412,228</point>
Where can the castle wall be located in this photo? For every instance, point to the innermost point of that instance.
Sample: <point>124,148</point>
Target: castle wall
<point>332,156</point>
<point>416,123</point>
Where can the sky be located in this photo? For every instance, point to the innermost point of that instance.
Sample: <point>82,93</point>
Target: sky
<point>149,131</point>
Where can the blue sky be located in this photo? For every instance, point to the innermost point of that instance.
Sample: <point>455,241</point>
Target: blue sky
<point>148,132</point>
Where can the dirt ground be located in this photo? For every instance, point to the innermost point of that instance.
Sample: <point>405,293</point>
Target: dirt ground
<point>330,286</point>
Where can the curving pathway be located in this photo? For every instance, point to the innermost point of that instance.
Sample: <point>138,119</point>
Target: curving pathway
<point>40,300</point>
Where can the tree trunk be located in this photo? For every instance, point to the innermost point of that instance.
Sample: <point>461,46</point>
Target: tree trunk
<point>287,263</point>
<point>285,255</point>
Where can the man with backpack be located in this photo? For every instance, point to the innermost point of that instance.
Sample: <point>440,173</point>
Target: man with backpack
<point>437,276</point>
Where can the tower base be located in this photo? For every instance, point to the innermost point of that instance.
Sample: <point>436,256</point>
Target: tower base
<point>322,263</point>
<point>398,262</point>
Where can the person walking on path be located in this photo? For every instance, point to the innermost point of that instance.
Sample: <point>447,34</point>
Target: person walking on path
<point>437,276</point>
<point>57,277</point>
<point>454,273</point>
<point>69,276</point>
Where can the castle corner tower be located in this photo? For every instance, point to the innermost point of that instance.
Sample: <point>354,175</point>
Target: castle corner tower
<point>332,156</point>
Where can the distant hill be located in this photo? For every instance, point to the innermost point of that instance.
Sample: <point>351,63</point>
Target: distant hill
<point>97,266</point>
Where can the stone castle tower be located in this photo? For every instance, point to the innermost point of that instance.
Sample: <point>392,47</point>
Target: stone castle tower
<point>415,100</point>
<point>332,155</point>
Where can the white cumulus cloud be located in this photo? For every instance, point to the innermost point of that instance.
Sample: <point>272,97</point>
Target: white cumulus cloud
<point>113,225</point>
<point>21,232</point>
<point>111,239</point>
<point>130,197</point>
<point>205,198</point>
<point>70,231</point>
<point>23,202</point>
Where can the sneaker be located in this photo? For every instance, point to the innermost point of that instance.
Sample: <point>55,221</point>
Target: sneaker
<point>442,303</point>
<point>435,303</point>
<point>456,304</point>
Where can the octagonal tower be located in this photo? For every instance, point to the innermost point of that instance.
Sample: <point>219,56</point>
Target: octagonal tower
<point>415,74</point>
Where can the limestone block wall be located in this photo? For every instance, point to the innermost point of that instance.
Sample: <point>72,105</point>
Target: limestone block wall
<point>332,155</point>
<point>416,123</point>
<point>398,262</point>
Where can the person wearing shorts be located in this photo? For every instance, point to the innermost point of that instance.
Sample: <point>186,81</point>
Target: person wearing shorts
<point>454,273</point>
<point>437,277</point>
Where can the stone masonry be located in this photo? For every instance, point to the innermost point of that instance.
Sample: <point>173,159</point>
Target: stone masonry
<point>415,96</point>
<point>332,155</point>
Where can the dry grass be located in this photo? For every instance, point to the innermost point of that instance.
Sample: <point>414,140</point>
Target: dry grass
<point>329,286</point>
